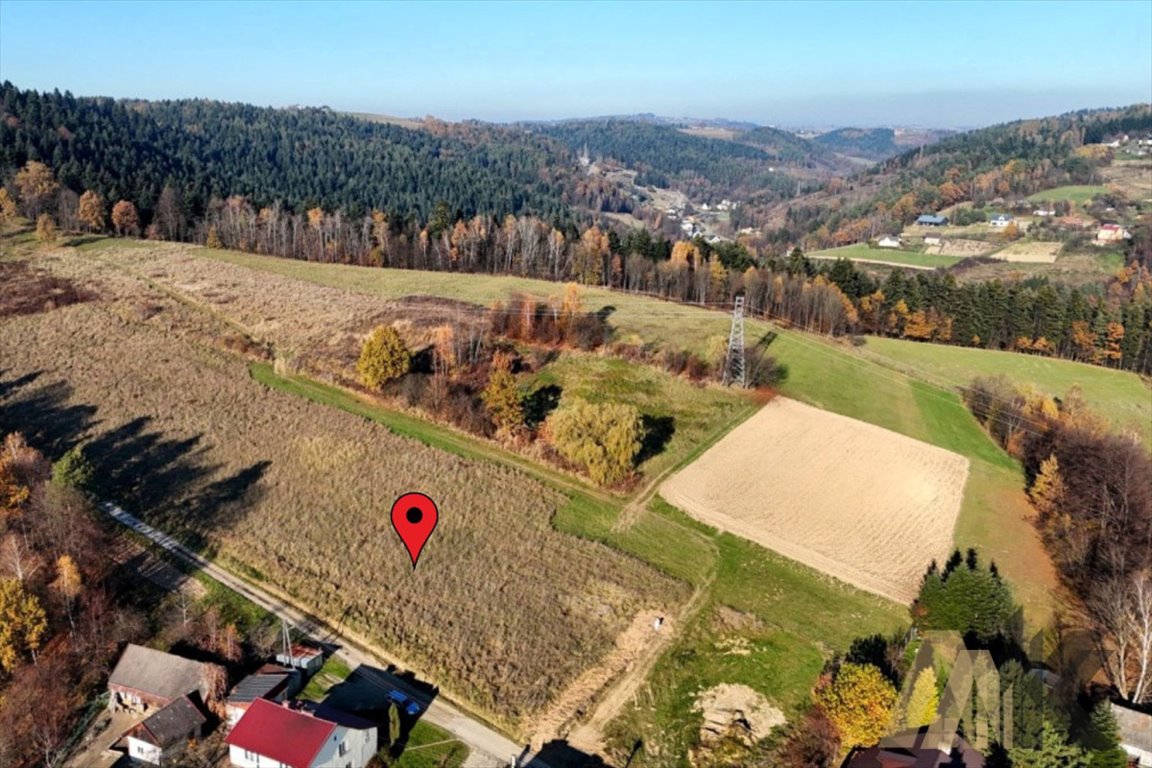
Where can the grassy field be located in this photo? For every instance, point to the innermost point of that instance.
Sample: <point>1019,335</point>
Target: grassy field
<point>189,441</point>
<point>766,621</point>
<point>886,255</point>
<point>1119,396</point>
<point>429,746</point>
<point>1076,193</point>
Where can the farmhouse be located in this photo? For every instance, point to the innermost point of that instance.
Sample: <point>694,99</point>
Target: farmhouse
<point>146,679</point>
<point>284,735</point>
<point>1044,212</point>
<point>928,220</point>
<point>1001,220</point>
<point>933,240</point>
<point>1112,233</point>
<point>1135,734</point>
<point>272,683</point>
<point>888,241</point>
<point>165,734</point>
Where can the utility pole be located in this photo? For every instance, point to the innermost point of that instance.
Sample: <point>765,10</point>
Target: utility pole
<point>734,360</point>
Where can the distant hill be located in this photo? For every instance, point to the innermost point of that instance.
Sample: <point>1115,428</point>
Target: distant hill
<point>298,157</point>
<point>1012,160</point>
<point>759,162</point>
<point>877,143</point>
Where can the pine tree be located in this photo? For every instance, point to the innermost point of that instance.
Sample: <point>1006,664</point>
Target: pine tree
<point>502,397</point>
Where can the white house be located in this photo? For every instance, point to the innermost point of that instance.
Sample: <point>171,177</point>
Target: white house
<point>1135,734</point>
<point>933,240</point>
<point>1001,220</point>
<point>1043,212</point>
<point>888,241</point>
<point>1112,233</point>
<point>165,734</point>
<point>284,736</point>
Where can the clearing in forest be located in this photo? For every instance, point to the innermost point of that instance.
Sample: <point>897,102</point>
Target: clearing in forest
<point>860,503</point>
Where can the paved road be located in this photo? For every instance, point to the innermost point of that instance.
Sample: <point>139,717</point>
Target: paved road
<point>489,748</point>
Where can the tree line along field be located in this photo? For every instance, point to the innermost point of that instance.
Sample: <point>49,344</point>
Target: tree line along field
<point>318,329</point>
<point>504,610</point>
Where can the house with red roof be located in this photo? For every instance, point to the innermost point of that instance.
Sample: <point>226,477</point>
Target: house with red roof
<point>271,735</point>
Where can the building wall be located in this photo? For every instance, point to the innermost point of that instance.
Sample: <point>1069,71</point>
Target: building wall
<point>238,757</point>
<point>361,746</point>
<point>142,750</point>
<point>1143,759</point>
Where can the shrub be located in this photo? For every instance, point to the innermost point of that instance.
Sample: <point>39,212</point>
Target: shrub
<point>604,438</point>
<point>383,357</point>
<point>45,229</point>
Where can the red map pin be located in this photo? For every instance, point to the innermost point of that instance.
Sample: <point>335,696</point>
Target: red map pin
<point>414,517</point>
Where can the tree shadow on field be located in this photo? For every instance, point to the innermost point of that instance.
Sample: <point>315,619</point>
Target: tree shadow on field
<point>541,402</point>
<point>658,430</point>
<point>43,414</point>
<point>167,481</point>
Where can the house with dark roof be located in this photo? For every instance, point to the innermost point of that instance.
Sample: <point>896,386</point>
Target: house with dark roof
<point>271,682</point>
<point>165,734</point>
<point>916,749</point>
<point>928,220</point>
<point>1135,733</point>
<point>1001,220</point>
<point>146,679</point>
<point>286,735</point>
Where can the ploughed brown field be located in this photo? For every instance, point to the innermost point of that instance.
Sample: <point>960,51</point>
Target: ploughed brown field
<point>865,505</point>
<point>503,612</point>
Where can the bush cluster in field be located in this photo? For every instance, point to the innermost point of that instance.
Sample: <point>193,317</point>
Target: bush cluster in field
<point>503,610</point>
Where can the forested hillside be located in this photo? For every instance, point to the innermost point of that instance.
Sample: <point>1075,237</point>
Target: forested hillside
<point>873,144</point>
<point>1003,161</point>
<point>297,157</point>
<point>704,168</point>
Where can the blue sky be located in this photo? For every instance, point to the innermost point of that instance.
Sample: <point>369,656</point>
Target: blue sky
<point>839,63</point>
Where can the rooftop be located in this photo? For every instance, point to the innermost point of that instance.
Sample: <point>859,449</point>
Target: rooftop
<point>1135,727</point>
<point>171,724</point>
<point>283,734</point>
<point>259,686</point>
<point>156,673</point>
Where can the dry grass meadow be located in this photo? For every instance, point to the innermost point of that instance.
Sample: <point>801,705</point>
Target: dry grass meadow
<point>1030,252</point>
<point>865,505</point>
<point>503,611</point>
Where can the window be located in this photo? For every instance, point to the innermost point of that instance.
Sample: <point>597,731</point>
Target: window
<point>343,748</point>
